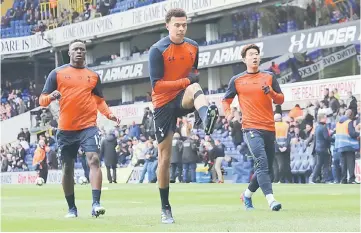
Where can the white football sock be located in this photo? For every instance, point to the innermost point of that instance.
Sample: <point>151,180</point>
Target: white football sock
<point>248,193</point>
<point>270,198</point>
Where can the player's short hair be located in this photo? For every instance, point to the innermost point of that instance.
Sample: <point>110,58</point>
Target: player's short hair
<point>175,12</point>
<point>76,40</point>
<point>247,47</point>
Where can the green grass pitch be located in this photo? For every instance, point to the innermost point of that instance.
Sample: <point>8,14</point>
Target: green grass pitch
<point>196,207</point>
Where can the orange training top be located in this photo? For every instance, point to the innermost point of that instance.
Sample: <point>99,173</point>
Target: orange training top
<point>81,96</point>
<point>169,66</point>
<point>256,106</point>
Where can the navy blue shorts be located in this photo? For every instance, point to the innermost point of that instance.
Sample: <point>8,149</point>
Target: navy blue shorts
<point>70,141</point>
<point>165,117</point>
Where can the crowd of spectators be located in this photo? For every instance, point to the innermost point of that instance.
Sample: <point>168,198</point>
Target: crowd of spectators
<point>136,146</point>
<point>27,17</point>
<point>307,143</point>
<point>276,19</point>
<point>16,100</point>
<point>265,21</point>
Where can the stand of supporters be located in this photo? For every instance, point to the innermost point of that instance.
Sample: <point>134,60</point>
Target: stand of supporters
<point>27,17</point>
<point>260,21</point>
<point>16,100</point>
<point>307,150</point>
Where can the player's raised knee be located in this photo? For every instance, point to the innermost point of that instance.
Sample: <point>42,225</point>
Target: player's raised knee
<point>195,87</point>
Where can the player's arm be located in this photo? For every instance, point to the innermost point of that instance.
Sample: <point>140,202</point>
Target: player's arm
<point>99,99</point>
<point>276,92</point>
<point>228,98</point>
<point>156,71</point>
<point>50,86</point>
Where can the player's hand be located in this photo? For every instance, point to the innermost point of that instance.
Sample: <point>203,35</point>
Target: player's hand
<point>114,118</point>
<point>55,95</point>
<point>266,89</point>
<point>193,77</point>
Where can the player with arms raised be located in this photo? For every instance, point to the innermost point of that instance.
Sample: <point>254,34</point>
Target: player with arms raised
<point>80,97</point>
<point>173,63</point>
<point>256,89</point>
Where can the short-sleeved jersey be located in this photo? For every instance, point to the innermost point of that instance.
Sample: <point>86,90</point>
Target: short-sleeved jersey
<point>169,66</point>
<point>256,106</point>
<point>77,86</point>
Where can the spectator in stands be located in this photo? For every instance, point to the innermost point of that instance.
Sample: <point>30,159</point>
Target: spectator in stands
<point>20,153</point>
<point>134,130</point>
<point>324,109</point>
<point>21,134</point>
<point>39,160</point>
<point>351,103</point>
<point>334,103</point>
<point>326,94</point>
<point>51,158</point>
<point>189,160</point>
<point>15,163</point>
<point>124,151</point>
<point>27,135</point>
<point>236,129</point>
<point>346,142</point>
<point>282,151</point>
<point>322,149</point>
<point>336,94</point>
<point>4,161</point>
<point>149,126</point>
<point>217,156</point>
<point>151,156</point>
<point>309,135</point>
<point>49,140</point>
<point>139,149</point>
<point>296,112</point>
<point>108,153</point>
<point>176,159</point>
<point>185,128</point>
<point>275,69</point>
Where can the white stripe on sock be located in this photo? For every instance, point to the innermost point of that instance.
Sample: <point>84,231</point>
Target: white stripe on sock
<point>270,198</point>
<point>248,193</point>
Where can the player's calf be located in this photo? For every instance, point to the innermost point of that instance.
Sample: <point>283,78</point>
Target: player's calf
<point>96,182</point>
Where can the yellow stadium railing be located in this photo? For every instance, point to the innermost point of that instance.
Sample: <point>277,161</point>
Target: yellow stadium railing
<point>55,7</point>
<point>5,6</point>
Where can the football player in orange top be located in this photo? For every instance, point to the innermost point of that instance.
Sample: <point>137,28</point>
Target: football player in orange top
<point>256,90</point>
<point>80,97</point>
<point>173,64</point>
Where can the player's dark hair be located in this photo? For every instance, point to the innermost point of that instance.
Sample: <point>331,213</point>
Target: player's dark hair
<point>76,40</point>
<point>175,12</point>
<point>247,47</point>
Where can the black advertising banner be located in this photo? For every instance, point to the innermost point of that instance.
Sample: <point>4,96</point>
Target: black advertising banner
<point>230,52</point>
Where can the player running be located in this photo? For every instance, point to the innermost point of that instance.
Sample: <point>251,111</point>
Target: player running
<point>173,63</point>
<point>80,96</point>
<point>256,89</point>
